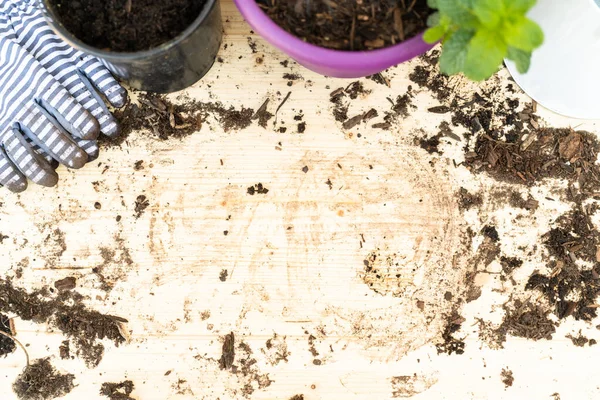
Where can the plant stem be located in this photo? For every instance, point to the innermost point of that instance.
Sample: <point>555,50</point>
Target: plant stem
<point>14,339</point>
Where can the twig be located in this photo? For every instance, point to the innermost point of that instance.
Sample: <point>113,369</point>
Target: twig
<point>398,23</point>
<point>261,109</point>
<point>14,339</point>
<point>352,32</point>
<point>281,105</point>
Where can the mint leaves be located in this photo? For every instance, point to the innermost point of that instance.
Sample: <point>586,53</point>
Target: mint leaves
<point>478,34</point>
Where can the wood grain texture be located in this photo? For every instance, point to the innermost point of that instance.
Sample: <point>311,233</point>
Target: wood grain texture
<point>296,291</point>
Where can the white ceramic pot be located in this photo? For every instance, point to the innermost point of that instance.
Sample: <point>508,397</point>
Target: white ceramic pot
<point>565,71</point>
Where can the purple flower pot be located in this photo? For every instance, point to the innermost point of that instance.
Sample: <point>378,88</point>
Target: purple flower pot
<point>336,63</point>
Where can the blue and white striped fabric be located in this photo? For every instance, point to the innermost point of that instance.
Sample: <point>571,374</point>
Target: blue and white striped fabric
<point>49,106</point>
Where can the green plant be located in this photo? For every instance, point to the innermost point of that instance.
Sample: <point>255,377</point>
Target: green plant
<point>477,35</point>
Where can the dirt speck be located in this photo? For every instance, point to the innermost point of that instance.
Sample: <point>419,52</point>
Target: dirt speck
<point>228,352</point>
<point>252,45</point>
<point>141,203</point>
<point>67,283</point>
<point>491,232</point>
<point>467,200</point>
<point>65,350</point>
<point>507,377</point>
<point>431,144</point>
<point>139,165</point>
<point>257,189</point>
<point>580,340</point>
<point>450,344</point>
<point>223,275</point>
<point>380,79</point>
<point>262,114</point>
<point>117,391</point>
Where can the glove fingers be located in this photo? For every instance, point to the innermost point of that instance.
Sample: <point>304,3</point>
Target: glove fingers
<point>26,160</point>
<point>10,177</point>
<point>72,116</point>
<point>45,132</point>
<point>83,91</point>
<point>90,147</point>
<point>53,163</point>
<point>103,80</point>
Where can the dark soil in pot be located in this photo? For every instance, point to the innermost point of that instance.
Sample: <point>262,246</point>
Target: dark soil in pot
<point>127,25</point>
<point>350,24</point>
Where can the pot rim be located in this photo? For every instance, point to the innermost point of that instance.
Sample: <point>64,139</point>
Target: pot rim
<point>73,41</point>
<point>330,58</point>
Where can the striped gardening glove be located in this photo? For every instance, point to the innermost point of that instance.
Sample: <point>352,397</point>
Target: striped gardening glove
<point>49,108</point>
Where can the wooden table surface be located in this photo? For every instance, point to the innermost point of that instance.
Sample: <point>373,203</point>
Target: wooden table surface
<point>294,256</point>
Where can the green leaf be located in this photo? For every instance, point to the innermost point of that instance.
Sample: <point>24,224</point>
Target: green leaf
<point>489,12</point>
<point>524,34</point>
<point>485,53</point>
<point>454,52</point>
<point>519,6</point>
<point>432,3</point>
<point>458,11</point>
<point>521,58</point>
<point>434,34</point>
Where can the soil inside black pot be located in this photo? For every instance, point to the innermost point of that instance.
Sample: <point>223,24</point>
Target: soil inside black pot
<point>350,24</point>
<point>126,25</point>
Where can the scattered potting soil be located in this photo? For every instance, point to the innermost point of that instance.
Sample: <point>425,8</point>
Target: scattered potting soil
<point>431,144</point>
<point>507,377</point>
<point>433,80</point>
<point>467,200</point>
<point>7,345</point>
<point>581,341</point>
<point>262,115</point>
<point>68,283</point>
<point>127,25</point>
<point>117,391</point>
<point>141,203</point>
<point>65,350</point>
<point>380,79</point>
<point>517,201</point>
<point>292,77</point>
<point>349,24</point>
<point>527,320</point>
<point>224,274</point>
<point>509,265</point>
<point>451,344</point>
<point>302,127</point>
<point>491,232</point>
<point>571,289</point>
<point>257,189</point>
<point>165,120</point>
<point>539,154</point>
<point>41,381</point>
<point>297,397</point>
<point>341,105</point>
<point>66,313</point>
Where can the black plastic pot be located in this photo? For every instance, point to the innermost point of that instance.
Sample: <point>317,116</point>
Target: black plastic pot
<point>168,68</point>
